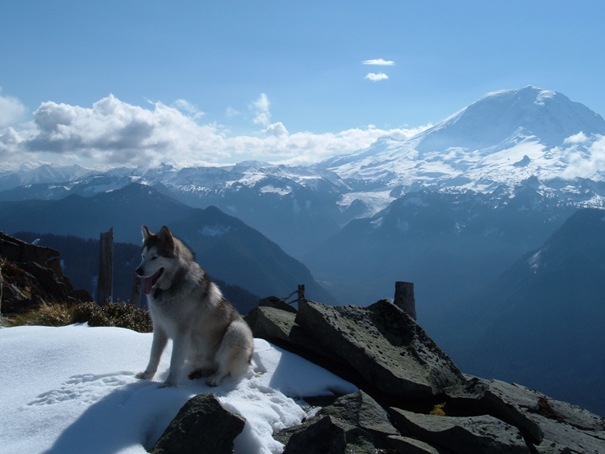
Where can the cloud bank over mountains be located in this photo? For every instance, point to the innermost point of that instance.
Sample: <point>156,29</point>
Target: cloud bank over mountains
<point>112,132</point>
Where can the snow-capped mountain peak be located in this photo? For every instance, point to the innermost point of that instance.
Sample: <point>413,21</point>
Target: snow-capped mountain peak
<point>506,117</point>
<point>503,139</point>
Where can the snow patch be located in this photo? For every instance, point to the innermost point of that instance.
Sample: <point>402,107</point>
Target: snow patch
<point>73,389</point>
<point>270,189</point>
<point>534,262</point>
<point>214,231</point>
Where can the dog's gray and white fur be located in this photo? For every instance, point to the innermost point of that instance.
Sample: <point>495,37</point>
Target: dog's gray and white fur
<point>187,307</point>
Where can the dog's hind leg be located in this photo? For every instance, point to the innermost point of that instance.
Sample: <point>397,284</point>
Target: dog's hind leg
<point>234,354</point>
<point>157,347</point>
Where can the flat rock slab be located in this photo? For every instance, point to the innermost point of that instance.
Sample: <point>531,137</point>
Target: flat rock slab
<point>384,345</point>
<point>550,425</point>
<point>461,434</point>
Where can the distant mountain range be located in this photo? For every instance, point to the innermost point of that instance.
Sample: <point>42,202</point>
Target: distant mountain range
<point>226,248</point>
<point>541,322</point>
<point>450,209</point>
<point>506,140</point>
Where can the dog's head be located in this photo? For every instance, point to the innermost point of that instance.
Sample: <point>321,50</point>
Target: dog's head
<point>157,254</point>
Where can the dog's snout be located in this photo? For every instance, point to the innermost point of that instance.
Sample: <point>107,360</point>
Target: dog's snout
<point>140,271</point>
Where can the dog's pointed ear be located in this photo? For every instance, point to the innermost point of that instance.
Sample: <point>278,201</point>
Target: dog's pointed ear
<point>165,236</point>
<point>146,232</point>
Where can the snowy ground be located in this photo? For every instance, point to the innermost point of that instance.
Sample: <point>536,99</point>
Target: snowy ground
<point>72,389</point>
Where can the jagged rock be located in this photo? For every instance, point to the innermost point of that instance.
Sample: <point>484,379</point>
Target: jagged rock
<point>271,323</point>
<point>383,344</point>
<point>32,276</point>
<point>409,445</point>
<point>360,410</point>
<point>352,423</point>
<point>277,303</point>
<point>202,425</point>
<point>324,435</point>
<point>391,359</point>
<point>550,425</point>
<point>461,434</point>
<point>279,327</point>
<point>15,250</point>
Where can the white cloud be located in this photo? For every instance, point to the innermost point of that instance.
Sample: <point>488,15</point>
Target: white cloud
<point>260,108</point>
<point>587,163</point>
<point>232,112</point>
<point>576,138</point>
<point>114,133</point>
<point>378,62</point>
<point>376,77</point>
<point>276,129</point>
<point>11,111</point>
<point>187,108</point>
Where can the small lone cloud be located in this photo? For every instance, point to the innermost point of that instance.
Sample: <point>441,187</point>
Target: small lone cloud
<point>378,62</point>
<point>262,113</point>
<point>376,77</point>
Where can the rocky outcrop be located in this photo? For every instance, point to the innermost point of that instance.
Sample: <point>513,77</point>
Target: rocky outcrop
<point>31,275</point>
<point>202,425</point>
<point>378,347</point>
<point>548,425</point>
<point>412,397</point>
<point>464,434</point>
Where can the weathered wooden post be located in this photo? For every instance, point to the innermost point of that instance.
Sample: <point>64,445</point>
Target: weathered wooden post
<point>105,284</point>
<point>135,297</point>
<point>404,298</point>
<point>1,285</point>
<point>301,294</point>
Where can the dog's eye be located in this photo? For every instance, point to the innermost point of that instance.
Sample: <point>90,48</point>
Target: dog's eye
<point>153,258</point>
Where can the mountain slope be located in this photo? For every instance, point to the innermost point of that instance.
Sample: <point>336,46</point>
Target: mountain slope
<point>548,116</point>
<point>229,249</point>
<point>447,244</point>
<point>541,323</point>
<point>502,139</point>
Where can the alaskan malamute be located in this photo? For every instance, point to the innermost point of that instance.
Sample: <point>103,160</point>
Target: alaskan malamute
<point>187,307</point>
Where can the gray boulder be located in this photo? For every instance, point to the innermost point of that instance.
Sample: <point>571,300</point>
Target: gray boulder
<point>382,350</point>
<point>550,426</point>
<point>461,434</point>
<point>384,345</point>
<point>379,347</point>
<point>202,425</point>
<point>352,423</point>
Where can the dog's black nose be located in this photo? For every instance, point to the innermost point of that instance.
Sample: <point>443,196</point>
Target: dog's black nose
<point>139,271</point>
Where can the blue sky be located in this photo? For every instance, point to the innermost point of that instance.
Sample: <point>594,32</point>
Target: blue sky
<point>284,81</point>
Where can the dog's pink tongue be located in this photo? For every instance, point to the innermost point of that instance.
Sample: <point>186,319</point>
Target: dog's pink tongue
<point>147,284</point>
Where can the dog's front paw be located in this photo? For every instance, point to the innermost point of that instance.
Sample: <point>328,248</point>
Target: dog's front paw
<point>168,384</point>
<point>215,379</point>
<point>144,375</point>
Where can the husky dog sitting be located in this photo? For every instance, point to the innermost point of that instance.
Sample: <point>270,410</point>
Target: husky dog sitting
<point>188,308</point>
